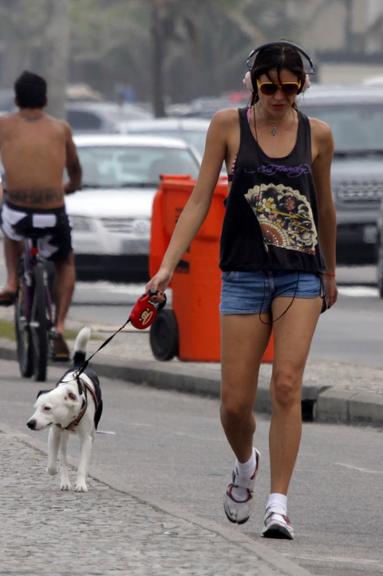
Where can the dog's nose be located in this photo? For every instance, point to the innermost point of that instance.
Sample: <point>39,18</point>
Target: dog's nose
<point>31,424</point>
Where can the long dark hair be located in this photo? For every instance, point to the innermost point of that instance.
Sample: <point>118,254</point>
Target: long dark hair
<point>276,57</point>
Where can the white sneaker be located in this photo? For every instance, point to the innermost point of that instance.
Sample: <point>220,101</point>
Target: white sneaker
<point>277,525</point>
<point>238,511</point>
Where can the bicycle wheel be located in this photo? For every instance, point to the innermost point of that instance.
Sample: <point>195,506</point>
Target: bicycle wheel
<point>39,324</point>
<point>23,334</point>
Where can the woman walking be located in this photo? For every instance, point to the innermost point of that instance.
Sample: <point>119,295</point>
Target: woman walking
<point>277,261</point>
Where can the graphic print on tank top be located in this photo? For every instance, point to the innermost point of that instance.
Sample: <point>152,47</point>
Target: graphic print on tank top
<point>285,217</point>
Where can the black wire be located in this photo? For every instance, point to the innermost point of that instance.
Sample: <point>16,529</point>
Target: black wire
<point>287,307</point>
<point>264,279</point>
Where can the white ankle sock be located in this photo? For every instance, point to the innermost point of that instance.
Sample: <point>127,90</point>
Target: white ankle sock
<point>246,469</point>
<point>277,503</point>
<point>245,472</point>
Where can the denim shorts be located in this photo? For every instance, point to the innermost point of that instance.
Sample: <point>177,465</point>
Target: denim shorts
<point>253,292</point>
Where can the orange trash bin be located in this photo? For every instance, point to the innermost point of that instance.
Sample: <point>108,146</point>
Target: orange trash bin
<point>191,330</point>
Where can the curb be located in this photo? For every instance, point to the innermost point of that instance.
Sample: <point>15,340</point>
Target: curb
<point>349,407</point>
<point>321,402</point>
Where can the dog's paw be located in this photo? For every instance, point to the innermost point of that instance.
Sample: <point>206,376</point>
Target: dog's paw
<point>65,485</point>
<point>81,486</point>
<point>52,469</point>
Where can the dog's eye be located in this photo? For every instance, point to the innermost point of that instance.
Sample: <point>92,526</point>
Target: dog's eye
<point>46,408</point>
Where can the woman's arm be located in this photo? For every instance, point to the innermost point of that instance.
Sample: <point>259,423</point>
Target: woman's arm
<point>197,206</point>
<point>324,146</point>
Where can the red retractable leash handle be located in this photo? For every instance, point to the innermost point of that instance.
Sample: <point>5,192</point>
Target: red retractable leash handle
<point>145,310</point>
<point>142,315</point>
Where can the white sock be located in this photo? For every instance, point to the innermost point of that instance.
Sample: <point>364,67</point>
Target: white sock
<point>277,503</point>
<point>246,469</point>
<point>245,472</point>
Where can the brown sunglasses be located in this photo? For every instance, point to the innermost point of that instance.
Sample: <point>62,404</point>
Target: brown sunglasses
<point>270,88</point>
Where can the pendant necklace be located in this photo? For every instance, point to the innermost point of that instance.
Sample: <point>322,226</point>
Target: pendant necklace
<point>273,129</point>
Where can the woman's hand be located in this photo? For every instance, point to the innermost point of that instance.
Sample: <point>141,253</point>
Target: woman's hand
<point>331,289</point>
<point>159,282</point>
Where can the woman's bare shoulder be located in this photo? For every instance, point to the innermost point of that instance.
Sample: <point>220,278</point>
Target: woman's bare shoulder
<point>320,129</point>
<point>225,118</point>
<point>322,136</point>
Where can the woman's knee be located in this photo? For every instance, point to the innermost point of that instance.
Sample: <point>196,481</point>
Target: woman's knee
<point>236,407</point>
<point>286,388</point>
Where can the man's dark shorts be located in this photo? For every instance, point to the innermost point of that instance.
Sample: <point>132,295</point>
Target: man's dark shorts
<point>52,226</point>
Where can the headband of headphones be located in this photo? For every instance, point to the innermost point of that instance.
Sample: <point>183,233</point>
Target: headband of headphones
<point>280,43</point>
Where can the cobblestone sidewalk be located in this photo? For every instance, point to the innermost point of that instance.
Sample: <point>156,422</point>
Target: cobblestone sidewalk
<point>103,532</point>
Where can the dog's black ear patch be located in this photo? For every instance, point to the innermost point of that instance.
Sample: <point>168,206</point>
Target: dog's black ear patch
<point>42,392</point>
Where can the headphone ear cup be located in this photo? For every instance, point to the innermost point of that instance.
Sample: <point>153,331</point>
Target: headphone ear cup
<point>247,81</point>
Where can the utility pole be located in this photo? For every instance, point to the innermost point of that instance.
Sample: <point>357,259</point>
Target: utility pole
<point>57,55</point>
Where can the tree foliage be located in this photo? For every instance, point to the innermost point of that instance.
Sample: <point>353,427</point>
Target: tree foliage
<point>199,46</point>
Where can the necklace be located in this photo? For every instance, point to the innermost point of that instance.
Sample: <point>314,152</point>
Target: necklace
<point>273,129</point>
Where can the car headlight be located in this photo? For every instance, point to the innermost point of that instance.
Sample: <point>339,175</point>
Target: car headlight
<point>135,227</point>
<point>141,226</point>
<point>81,223</point>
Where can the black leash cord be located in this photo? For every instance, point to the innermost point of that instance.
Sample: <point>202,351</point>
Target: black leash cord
<point>81,369</point>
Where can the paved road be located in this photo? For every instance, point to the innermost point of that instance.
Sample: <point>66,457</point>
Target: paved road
<point>168,448</point>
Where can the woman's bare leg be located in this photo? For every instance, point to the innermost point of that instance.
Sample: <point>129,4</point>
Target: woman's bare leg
<point>293,333</point>
<point>244,339</point>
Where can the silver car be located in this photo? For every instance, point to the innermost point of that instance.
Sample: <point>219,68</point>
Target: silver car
<point>355,114</point>
<point>111,215</point>
<point>102,117</point>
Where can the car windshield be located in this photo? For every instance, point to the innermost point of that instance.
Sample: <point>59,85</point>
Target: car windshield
<point>124,166</point>
<point>355,127</point>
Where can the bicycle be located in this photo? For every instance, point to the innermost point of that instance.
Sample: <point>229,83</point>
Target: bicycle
<point>33,312</point>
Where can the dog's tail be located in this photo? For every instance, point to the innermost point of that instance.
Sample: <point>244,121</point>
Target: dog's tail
<point>80,346</point>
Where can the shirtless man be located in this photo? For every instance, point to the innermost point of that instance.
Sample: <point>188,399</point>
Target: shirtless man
<point>35,149</point>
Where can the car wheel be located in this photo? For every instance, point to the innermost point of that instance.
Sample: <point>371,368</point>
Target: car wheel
<point>163,336</point>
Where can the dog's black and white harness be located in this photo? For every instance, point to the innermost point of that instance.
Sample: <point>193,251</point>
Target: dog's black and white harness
<point>96,396</point>
<point>83,388</point>
<point>95,391</point>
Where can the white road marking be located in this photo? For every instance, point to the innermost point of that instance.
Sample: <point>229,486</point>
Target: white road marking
<point>359,469</point>
<point>359,291</point>
<point>353,562</point>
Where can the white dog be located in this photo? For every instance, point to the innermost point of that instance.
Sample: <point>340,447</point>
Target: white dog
<point>74,405</point>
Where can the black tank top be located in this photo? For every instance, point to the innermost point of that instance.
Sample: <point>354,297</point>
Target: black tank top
<point>271,215</point>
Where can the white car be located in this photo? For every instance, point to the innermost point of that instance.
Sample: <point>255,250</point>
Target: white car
<point>192,130</point>
<point>111,215</point>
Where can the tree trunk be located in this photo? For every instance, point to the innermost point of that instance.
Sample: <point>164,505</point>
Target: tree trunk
<point>157,43</point>
<point>57,50</point>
